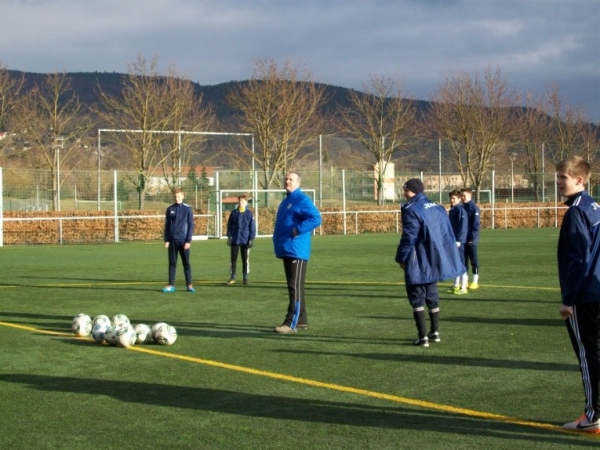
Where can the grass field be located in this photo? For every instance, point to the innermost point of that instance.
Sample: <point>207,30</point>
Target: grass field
<point>503,377</point>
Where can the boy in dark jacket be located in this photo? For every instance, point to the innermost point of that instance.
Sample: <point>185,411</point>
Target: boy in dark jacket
<point>241,231</point>
<point>179,229</point>
<point>427,253</point>
<point>579,276</point>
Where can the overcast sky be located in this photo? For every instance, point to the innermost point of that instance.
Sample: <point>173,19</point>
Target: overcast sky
<point>535,43</point>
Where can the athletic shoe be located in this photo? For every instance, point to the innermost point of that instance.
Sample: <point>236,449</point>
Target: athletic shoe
<point>453,290</point>
<point>230,282</point>
<point>190,288</point>
<point>284,329</point>
<point>302,327</point>
<point>435,336</point>
<point>474,286</point>
<point>461,291</point>
<point>584,425</point>
<point>169,289</point>
<point>245,282</point>
<point>423,342</point>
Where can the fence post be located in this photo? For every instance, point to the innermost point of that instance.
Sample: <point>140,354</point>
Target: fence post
<point>115,212</point>
<point>1,209</point>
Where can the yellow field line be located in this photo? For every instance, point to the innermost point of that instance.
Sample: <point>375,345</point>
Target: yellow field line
<point>330,386</point>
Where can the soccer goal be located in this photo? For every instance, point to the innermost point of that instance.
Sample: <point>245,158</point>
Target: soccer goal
<point>259,200</point>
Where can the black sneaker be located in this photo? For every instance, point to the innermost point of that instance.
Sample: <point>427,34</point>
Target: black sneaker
<point>423,342</point>
<point>435,336</point>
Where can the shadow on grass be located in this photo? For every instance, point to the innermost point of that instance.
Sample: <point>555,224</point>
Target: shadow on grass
<point>449,360</point>
<point>289,408</point>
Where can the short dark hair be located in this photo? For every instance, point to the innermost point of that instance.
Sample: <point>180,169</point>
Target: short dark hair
<point>454,193</point>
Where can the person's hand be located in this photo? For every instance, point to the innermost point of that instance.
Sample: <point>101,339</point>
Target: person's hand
<point>187,246</point>
<point>167,244</point>
<point>229,242</point>
<point>458,244</point>
<point>566,311</point>
<point>402,266</point>
<point>250,243</point>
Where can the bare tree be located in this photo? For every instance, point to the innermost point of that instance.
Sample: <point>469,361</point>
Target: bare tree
<point>475,115</point>
<point>159,109</point>
<point>382,120</point>
<point>280,108</point>
<point>532,135</point>
<point>55,122</point>
<point>570,130</point>
<point>10,88</point>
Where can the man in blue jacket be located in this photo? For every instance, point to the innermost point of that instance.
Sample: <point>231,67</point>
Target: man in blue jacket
<point>179,229</point>
<point>579,276</point>
<point>427,253</point>
<point>241,231</point>
<point>296,218</point>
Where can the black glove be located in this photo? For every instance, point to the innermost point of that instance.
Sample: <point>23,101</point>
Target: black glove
<point>229,241</point>
<point>250,243</point>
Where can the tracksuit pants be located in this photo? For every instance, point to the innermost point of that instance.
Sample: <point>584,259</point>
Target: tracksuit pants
<point>295,275</point>
<point>584,330</point>
<point>235,250</point>
<point>175,249</point>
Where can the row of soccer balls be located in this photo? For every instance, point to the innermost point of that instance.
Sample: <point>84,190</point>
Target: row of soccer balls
<point>121,332</point>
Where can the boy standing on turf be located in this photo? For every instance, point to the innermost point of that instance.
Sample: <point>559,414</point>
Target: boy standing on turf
<point>459,221</point>
<point>179,229</point>
<point>579,277</point>
<point>241,231</point>
<point>427,253</point>
<point>470,249</point>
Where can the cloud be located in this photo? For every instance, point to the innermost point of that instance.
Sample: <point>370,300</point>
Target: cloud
<point>534,42</point>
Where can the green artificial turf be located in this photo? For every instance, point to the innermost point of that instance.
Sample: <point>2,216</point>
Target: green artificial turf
<point>504,375</point>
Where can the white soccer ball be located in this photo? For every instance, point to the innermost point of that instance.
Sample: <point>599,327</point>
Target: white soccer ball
<point>101,320</point>
<point>98,332</point>
<point>110,335</point>
<point>82,325</point>
<point>125,336</point>
<point>166,335</point>
<point>143,333</point>
<point>120,319</point>
<point>155,328</point>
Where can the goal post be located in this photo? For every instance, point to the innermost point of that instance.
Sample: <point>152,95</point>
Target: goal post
<point>259,199</point>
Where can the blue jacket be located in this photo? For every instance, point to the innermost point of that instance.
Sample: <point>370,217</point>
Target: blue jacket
<point>579,250</point>
<point>179,223</point>
<point>298,212</point>
<point>459,221</point>
<point>241,227</point>
<point>474,221</point>
<point>427,247</point>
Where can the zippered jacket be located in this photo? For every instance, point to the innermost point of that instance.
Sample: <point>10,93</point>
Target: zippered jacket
<point>296,211</point>
<point>459,221</point>
<point>428,246</point>
<point>474,222</point>
<point>579,250</point>
<point>179,223</point>
<point>241,227</point>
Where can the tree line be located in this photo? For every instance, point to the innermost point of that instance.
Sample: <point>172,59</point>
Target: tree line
<point>158,122</point>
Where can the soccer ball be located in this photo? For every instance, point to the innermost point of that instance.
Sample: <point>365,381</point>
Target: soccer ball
<point>98,332</point>
<point>101,320</point>
<point>155,328</point>
<point>110,335</point>
<point>120,319</point>
<point>125,336</point>
<point>143,333</point>
<point>82,325</point>
<point>166,335</point>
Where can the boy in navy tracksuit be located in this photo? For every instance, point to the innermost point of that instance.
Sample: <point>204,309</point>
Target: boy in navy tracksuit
<point>459,221</point>
<point>179,229</point>
<point>427,253</point>
<point>579,276</point>
<point>241,231</point>
<point>474,223</point>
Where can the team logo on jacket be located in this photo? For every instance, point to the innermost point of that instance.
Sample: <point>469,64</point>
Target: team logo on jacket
<point>289,206</point>
<point>172,212</point>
